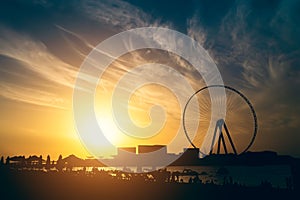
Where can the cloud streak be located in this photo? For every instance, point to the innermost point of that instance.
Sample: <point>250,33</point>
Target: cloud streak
<point>34,57</point>
<point>33,96</point>
<point>118,14</point>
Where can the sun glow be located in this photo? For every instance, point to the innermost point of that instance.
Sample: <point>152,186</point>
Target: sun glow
<point>139,108</point>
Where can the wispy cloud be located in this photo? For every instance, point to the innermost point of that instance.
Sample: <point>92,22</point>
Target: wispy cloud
<point>118,14</point>
<point>34,56</point>
<point>83,43</point>
<point>33,96</point>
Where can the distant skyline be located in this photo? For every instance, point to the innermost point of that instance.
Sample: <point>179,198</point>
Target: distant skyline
<point>255,44</point>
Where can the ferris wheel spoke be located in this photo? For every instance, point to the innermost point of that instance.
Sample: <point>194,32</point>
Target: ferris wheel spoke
<point>239,128</point>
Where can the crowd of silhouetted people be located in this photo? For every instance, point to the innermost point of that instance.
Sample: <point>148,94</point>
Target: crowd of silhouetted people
<point>33,177</point>
<point>69,166</point>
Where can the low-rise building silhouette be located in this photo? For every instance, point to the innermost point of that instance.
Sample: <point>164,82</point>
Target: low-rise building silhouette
<point>152,148</point>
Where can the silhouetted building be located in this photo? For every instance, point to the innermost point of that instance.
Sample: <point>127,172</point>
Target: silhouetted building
<point>126,150</point>
<point>72,161</point>
<point>191,153</point>
<point>152,148</point>
<point>190,156</point>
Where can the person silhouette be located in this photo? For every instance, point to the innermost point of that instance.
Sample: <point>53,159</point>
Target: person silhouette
<point>2,160</point>
<point>48,163</point>
<point>59,163</point>
<point>7,162</point>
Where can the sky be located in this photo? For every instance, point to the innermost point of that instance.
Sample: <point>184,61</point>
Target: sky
<point>255,45</point>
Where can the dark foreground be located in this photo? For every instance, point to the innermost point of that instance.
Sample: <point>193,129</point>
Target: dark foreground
<point>38,185</point>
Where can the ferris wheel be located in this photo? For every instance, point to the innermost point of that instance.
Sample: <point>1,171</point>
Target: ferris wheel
<point>236,132</point>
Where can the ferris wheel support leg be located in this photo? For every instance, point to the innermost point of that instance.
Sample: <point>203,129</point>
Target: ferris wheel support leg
<point>223,142</point>
<point>214,138</point>
<point>219,145</point>
<point>230,140</point>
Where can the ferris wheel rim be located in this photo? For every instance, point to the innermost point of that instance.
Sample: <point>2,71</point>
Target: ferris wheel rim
<point>237,92</point>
